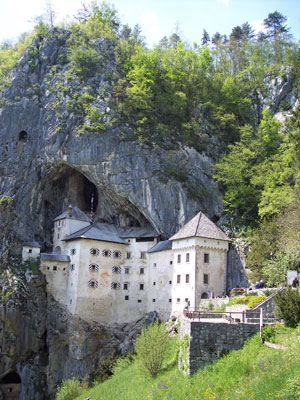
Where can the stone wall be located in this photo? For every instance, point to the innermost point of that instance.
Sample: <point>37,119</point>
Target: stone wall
<point>201,343</point>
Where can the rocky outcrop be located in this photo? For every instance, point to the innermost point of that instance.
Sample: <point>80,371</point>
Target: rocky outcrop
<point>45,164</point>
<point>44,344</point>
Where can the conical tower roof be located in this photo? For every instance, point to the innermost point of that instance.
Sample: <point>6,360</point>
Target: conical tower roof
<point>200,226</point>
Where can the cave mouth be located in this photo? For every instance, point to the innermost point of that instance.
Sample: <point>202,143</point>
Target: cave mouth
<point>67,186</point>
<point>22,136</point>
<point>64,186</point>
<point>12,377</point>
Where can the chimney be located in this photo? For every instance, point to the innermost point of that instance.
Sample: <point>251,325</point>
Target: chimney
<point>70,211</point>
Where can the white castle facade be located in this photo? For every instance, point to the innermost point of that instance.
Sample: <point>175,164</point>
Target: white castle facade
<point>105,273</point>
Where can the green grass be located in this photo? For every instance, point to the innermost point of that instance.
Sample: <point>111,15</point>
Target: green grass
<point>255,372</point>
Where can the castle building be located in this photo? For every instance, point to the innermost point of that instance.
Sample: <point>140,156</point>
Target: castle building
<point>111,274</point>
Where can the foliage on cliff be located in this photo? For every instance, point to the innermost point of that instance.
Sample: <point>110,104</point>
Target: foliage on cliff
<point>219,97</point>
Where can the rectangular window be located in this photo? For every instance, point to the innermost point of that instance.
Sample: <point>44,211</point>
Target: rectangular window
<point>187,278</point>
<point>170,282</point>
<point>139,300</point>
<point>128,255</point>
<point>126,270</point>
<point>178,300</point>
<point>141,286</point>
<point>178,278</point>
<point>153,300</point>
<point>186,300</point>
<point>187,257</point>
<point>170,300</point>
<point>125,286</point>
<point>205,279</point>
<point>143,255</point>
<point>154,265</point>
<point>54,268</point>
<point>58,236</point>
<point>30,251</point>
<point>126,297</point>
<point>154,283</point>
<point>72,251</point>
<point>171,262</point>
<point>206,257</point>
<point>178,258</point>
<point>142,271</point>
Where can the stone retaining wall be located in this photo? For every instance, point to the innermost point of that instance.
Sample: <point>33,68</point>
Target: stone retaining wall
<point>201,343</point>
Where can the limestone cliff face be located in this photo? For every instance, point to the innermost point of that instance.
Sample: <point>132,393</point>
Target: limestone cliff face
<point>45,164</point>
<point>44,344</point>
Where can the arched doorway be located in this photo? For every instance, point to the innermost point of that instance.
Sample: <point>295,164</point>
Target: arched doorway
<point>204,295</point>
<point>57,250</point>
<point>10,386</point>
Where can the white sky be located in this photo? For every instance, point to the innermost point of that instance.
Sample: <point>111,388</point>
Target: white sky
<point>158,18</point>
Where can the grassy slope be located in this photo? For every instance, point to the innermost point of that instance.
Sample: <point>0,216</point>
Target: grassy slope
<point>255,372</point>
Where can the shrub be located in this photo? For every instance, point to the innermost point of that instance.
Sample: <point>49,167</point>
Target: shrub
<point>292,389</point>
<point>253,302</point>
<point>270,333</point>
<point>241,300</point>
<point>69,389</point>
<point>288,307</point>
<point>151,347</point>
<point>105,369</point>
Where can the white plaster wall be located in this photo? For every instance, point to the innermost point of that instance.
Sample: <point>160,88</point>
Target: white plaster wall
<point>216,270</point>
<point>57,281</point>
<point>161,273</point>
<point>184,290</point>
<point>103,303</point>
<point>33,255</point>
<point>64,227</point>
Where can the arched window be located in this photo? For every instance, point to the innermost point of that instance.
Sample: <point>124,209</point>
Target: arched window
<point>117,254</point>
<point>115,285</point>
<point>94,267</point>
<point>116,270</point>
<point>94,252</point>
<point>106,253</point>
<point>93,284</point>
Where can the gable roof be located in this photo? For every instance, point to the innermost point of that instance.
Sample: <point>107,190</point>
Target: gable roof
<point>200,226</point>
<point>160,246</point>
<point>99,231</point>
<point>137,232</point>
<point>55,257</point>
<point>76,214</point>
<point>33,243</point>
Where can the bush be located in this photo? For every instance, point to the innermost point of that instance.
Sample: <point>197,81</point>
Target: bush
<point>288,307</point>
<point>151,347</point>
<point>270,333</point>
<point>105,369</point>
<point>292,389</point>
<point>253,302</point>
<point>69,389</point>
<point>241,300</point>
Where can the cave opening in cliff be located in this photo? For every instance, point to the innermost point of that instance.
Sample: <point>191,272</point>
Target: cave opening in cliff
<point>68,186</point>
<point>64,186</point>
<point>22,136</point>
<point>11,377</point>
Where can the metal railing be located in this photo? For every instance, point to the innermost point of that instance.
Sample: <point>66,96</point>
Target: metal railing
<point>233,317</point>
